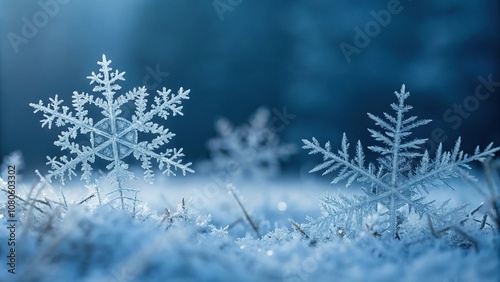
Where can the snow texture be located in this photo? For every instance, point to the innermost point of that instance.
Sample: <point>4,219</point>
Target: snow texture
<point>394,182</point>
<point>110,245</point>
<point>249,150</point>
<point>113,138</point>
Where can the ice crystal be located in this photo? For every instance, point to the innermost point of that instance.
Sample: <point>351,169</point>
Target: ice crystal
<point>252,149</point>
<point>113,138</point>
<point>394,182</point>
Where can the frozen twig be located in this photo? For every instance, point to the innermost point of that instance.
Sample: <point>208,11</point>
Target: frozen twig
<point>255,228</point>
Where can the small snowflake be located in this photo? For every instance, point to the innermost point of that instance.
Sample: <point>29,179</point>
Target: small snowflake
<point>113,138</point>
<point>251,150</point>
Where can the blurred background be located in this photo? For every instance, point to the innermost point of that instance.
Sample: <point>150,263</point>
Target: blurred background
<point>327,62</point>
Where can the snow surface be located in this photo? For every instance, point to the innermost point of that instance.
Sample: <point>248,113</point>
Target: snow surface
<point>101,243</point>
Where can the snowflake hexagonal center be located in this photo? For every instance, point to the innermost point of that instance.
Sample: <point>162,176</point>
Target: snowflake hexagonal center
<point>114,138</point>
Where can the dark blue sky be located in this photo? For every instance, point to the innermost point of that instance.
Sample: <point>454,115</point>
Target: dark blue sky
<point>328,62</point>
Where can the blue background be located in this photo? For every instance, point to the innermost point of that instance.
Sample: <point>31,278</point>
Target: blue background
<point>238,55</point>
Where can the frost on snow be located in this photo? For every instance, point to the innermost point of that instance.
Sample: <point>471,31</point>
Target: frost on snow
<point>394,182</point>
<point>113,138</point>
<point>251,150</point>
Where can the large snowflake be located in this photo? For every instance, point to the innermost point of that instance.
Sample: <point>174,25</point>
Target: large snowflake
<point>113,138</point>
<point>394,181</point>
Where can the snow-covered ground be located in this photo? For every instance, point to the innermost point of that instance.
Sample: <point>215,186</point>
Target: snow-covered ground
<point>88,242</point>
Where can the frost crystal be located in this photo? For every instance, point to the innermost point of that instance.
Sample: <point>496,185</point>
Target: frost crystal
<point>251,150</point>
<point>113,138</point>
<point>394,182</point>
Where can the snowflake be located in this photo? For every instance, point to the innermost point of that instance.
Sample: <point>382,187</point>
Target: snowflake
<point>113,138</point>
<point>394,182</point>
<point>251,149</point>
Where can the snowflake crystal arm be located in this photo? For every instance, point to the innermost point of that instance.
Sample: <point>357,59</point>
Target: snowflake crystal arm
<point>59,115</point>
<point>393,181</point>
<point>113,138</point>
